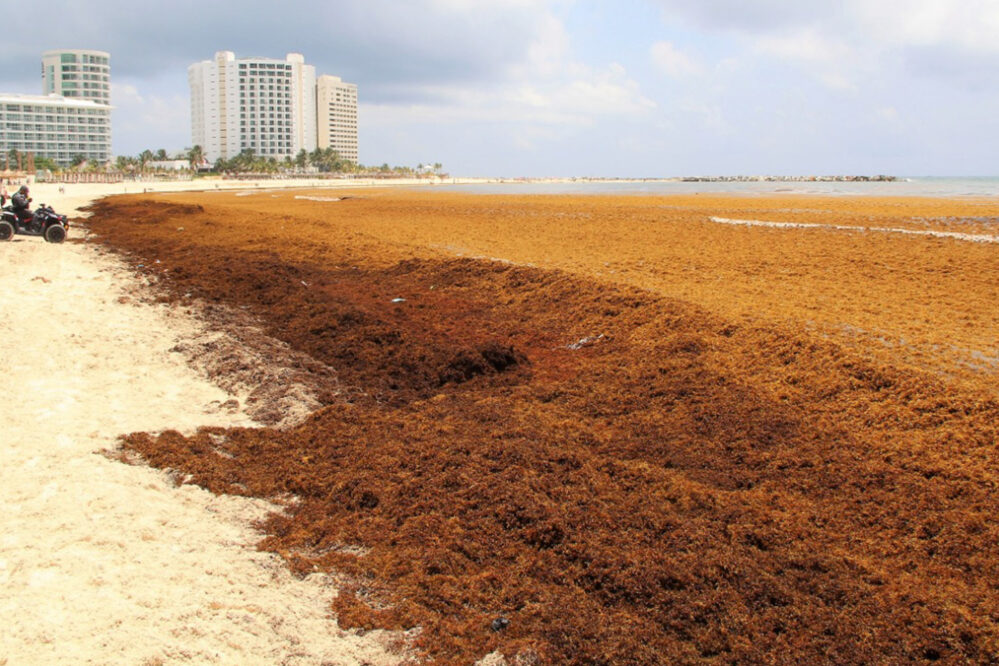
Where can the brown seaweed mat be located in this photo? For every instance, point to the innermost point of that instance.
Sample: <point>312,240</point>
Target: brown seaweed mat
<point>574,471</point>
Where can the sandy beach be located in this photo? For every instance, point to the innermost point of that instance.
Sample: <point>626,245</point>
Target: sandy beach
<point>561,429</point>
<point>102,562</point>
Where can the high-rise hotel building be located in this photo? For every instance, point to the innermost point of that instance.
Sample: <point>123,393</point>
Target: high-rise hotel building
<point>336,113</point>
<point>77,75</point>
<point>73,115</point>
<point>262,104</point>
<point>268,106</point>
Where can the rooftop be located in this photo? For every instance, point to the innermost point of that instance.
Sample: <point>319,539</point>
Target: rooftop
<point>52,100</point>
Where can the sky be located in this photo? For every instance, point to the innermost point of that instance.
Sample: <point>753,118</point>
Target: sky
<point>555,88</point>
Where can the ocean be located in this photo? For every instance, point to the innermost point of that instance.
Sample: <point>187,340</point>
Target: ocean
<point>915,186</point>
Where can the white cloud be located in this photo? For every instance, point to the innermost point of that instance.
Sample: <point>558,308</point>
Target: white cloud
<point>970,25</point>
<point>547,86</point>
<point>807,45</point>
<point>667,58</point>
<point>829,58</point>
<point>579,97</point>
<point>548,51</point>
<point>887,113</point>
<point>853,44</point>
<point>138,116</point>
<point>599,93</point>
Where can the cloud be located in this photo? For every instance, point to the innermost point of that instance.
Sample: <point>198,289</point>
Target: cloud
<point>723,84</point>
<point>138,117</point>
<point>845,41</point>
<point>805,45</point>
<point>887,113</point>
<point>753,18</point>
<point>969,26</point>
<point>534,118</point>
<point>832,61</point>
<point>584,95</point>
<point>541,84</point>
<point>378,44</point>
<point>546,53</point>
<point>445,64</point>
<point>668,59</point>
<point>972,23</point>
<point>574,96</point>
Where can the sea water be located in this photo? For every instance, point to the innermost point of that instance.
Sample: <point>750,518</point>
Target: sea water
<point>903,187</point>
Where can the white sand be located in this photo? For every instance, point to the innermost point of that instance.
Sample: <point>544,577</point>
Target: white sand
<point>105,563</point>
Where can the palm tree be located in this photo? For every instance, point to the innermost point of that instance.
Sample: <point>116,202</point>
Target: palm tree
<point>331,161</point>
<point>125,163</point>
<point>195,156</point>
<point>46,164</point>
<point>144,157</point>
<point>245,161</point>
<point>316,158</point>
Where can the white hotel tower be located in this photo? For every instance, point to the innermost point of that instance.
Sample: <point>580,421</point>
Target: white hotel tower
<point>72,118</point>
<point>79,74</point>
<point>262,104</point>
<point>337,115</point>
<point>274,107</point>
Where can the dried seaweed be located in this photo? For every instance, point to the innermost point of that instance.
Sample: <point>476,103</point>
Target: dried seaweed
<point>688,487</point>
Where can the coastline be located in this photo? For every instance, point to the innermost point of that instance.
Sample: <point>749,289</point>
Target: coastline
<point>70,197</point>
<point>77,526</point>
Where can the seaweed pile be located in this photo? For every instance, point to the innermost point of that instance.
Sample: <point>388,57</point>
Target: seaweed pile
<point>567,470</point>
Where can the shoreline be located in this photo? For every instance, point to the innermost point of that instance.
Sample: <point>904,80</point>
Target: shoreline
<point>77,195</point>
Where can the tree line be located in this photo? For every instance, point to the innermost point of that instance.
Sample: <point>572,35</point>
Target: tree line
<point>322,160</point>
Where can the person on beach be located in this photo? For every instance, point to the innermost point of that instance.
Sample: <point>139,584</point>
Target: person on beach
<point>20,203</point>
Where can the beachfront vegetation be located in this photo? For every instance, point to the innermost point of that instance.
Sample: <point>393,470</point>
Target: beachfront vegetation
<point>326,161</point>
<point>318,161</point>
